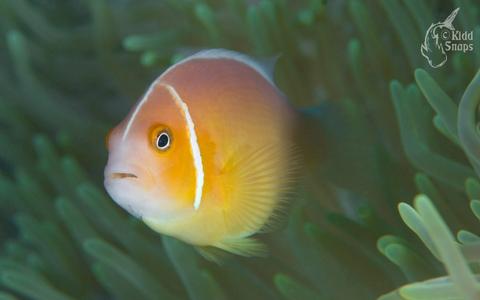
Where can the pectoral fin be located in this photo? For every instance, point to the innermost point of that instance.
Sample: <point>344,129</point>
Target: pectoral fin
<point>254,185</point>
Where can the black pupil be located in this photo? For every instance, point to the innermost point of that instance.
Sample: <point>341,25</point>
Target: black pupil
<point>162,140</point>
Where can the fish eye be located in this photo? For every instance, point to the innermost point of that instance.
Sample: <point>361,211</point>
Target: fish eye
<point>163,140</point>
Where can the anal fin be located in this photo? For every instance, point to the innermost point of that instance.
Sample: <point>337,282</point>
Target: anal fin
<point>212,254</point>
<point>248,247</point>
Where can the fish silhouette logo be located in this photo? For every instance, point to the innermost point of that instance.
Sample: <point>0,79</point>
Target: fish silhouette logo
<point>433,47</point>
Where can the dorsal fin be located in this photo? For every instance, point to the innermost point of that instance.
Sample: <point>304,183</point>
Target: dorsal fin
<point>264,67</point>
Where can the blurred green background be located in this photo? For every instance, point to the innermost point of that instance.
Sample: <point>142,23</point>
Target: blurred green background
<point>393,128</point>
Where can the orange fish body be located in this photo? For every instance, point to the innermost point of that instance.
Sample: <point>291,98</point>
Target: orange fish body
<point>206,155</point>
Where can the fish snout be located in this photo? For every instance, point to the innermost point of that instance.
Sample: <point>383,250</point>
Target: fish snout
<point>129,174</point>
<point>122,175</point>
<point>115,171</point>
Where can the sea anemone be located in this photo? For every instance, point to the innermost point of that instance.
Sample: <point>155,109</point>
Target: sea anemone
<point>390,130</point>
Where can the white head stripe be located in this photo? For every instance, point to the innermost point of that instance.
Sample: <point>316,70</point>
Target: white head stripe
<point>197,157</point>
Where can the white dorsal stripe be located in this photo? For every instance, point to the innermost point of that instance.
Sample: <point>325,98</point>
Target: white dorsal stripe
<point>197,157</point>
<point>137,109</point>
<point>205,54</point>
<point>227,54</point>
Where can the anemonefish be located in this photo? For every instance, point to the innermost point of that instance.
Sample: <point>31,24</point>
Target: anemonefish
<point>207,154</point>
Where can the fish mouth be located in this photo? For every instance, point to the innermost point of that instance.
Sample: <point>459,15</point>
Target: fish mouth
<point>122,175</point>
